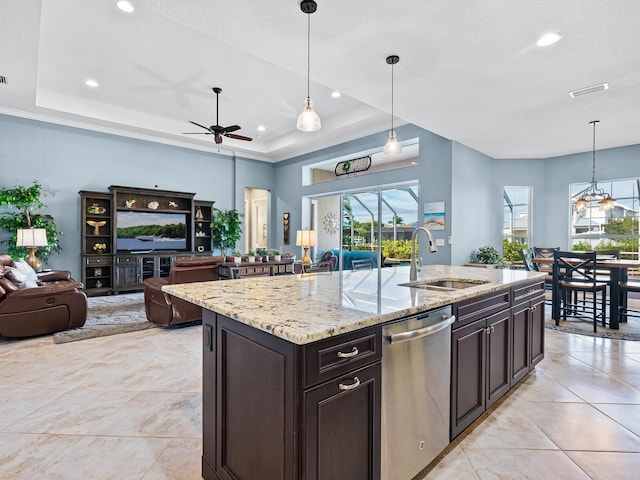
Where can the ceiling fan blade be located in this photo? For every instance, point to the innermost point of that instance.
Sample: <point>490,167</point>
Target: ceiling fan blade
<point>218,139</point>
<point>201,126</point>
<point>232,128</point>
<point>238,137</point>
<point>197,133</point>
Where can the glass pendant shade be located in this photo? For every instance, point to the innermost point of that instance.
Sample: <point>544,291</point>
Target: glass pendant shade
<point>606,204</point>
<point>392,147</point>
<point>309,121</point>
<point>581,205</point>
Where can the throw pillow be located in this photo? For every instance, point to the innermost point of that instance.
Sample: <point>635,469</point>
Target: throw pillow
<point>24,268</point>
<point>19,278</point>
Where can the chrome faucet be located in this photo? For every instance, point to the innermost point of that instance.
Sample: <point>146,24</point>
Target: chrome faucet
<point>416,264</point>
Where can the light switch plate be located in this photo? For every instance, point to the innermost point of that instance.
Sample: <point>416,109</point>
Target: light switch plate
<point>439,242</point>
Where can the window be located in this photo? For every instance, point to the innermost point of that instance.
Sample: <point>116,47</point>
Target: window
<point>594,229</point>
<point>517,215</point>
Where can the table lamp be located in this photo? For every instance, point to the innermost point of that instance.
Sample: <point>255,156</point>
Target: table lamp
<point>305,239</point>
<point>32,238</point>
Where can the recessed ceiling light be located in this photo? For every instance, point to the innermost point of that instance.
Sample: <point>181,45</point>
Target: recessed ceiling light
<point>548,39</point>
<point>586,90</point>
<point>125,6</point>
<point>261,128</point>
<point>335,94</point>
<point>90,82</point>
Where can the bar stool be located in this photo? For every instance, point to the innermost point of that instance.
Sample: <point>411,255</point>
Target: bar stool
<point>625,311</point>
<point>576,272</point>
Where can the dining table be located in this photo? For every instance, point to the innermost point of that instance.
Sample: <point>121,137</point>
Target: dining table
<point>618,272</point>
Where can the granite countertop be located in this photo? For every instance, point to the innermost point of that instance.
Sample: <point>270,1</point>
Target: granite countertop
<point>306,308</point>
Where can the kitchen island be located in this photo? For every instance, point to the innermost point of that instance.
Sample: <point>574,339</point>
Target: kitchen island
<point>292,365</point>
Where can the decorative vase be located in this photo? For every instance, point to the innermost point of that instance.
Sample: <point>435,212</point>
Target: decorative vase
<point>251,259</point>
<point>277,258</point>
<point>237,259</point>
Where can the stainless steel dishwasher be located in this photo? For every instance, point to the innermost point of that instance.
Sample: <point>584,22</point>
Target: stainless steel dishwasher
<point>416,377</point>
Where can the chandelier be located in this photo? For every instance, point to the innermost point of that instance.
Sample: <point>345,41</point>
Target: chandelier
<point>592,192</point>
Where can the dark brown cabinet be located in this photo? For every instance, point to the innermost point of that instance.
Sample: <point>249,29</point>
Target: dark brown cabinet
<point>528,329</point>
<point>202,224</point>
<point>109,267</point>
<point>342,425</point>
<point>267,415</point>
<point>496,340</point>
<point>96,247</point>
<point>479,368</point>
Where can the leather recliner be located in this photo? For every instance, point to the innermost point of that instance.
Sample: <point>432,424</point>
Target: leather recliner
<point>58,303</point>
<point>164,309</point>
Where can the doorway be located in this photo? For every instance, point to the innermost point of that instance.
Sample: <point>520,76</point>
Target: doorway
<point>257,205</point>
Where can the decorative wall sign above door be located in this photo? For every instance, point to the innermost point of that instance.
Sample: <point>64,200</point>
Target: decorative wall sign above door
<point>361,164</point>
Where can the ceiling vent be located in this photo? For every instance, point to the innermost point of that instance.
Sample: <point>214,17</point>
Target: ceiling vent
<point>3,80</point>
<point>587,90</point>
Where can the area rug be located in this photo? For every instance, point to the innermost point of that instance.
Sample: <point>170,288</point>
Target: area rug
<point>628,331</point>
<point>109,315</point>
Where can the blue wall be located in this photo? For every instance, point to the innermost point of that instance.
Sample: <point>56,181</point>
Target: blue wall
<point>550,179</point>
<point>433,174</point>
<point>66,160</point>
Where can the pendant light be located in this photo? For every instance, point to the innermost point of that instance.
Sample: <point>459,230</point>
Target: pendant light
<point>392,147</point>
<point>308,121</point>
<point>592,192</point>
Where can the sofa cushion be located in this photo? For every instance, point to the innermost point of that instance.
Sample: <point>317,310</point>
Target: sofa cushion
<point>24,268</point>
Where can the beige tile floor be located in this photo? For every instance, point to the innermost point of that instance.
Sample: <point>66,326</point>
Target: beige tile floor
<point>129,407</point>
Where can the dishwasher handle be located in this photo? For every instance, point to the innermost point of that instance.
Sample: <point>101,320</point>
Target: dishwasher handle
<point>422,332</point>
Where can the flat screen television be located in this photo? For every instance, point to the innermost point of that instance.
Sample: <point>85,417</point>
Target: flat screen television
<point>151,231</point>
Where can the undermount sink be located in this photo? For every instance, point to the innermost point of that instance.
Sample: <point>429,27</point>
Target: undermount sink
<point>447,284</point>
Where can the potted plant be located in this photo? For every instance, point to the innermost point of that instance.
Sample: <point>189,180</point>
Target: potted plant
<point>277,255</point>
<point>237,256</point>
<point>486,255</point>
<point>251,256</point>
<point>25,199</point>
<point>225,229</point>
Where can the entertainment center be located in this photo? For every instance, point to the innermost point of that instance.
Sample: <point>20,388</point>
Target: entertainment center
<point>130,234</point>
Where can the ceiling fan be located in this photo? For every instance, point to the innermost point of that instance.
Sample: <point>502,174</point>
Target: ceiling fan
<point>216,129</point>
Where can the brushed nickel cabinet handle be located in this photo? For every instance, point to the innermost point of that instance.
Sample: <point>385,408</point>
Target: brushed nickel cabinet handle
<point>352,353</point>
<point>355,384</point>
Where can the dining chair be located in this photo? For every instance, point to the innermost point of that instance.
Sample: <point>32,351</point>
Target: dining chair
<point>575,272</point>
<point>545,252</point>
<point>526,254</point>
<point>626,288</point>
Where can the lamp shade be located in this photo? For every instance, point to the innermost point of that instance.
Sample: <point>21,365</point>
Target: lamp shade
<point>32,237</point>
<point>309,121</point>
<point>305,238</point>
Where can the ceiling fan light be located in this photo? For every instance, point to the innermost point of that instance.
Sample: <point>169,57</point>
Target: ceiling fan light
<point>392,147</point>
<point>581,205</point>
<point>309,121</point>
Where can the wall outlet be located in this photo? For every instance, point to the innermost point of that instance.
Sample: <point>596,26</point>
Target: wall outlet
<point>449,240</point>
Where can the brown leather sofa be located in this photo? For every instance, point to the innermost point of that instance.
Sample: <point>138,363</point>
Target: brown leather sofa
<point>57,303</point>
<point>164,309</point>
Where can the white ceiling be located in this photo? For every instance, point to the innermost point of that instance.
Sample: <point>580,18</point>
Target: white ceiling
<point>469,70</point>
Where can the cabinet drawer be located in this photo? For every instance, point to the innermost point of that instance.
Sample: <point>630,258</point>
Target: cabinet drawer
<point>97,261</point>
<point>476,308</point>
<point>335,356</point>
<point>126,259</point>
<point>524,293</point>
